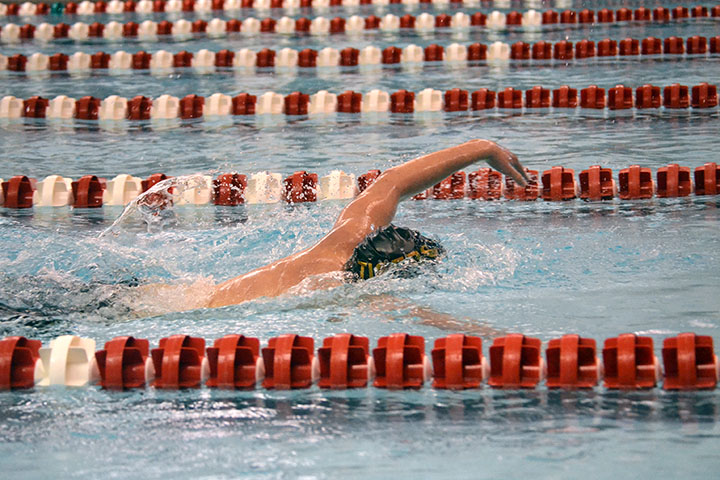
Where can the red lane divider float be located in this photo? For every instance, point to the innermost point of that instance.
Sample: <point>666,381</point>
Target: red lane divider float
<point>114,111</point>
<point>513,191</point>
<point>235,362</point>
<point>400,362</point>
<point>180,362</point>
<point>484,184</point>
<point>18,192</point>
<point>673,181</point>
<point>289,362</point>
<point>452,188</point>
<point>366,179</point>
<point>124,363</point>
<point>495,18</point>
<point>597,183</point>
<point>458,362</point>
<point>689,362</point>
<point>559,183</point>
<point>635,183</point>
<point>87,192</point>
<point>301,187</point>
<point>516,362</point>
<point>630,362</point>
<point>572,363</point>
<point>233,189</point>
<point>18,359</point>
<point>344,361</point>
<point>707,179</point>
<point>206,61</point>
<point>229,189</point>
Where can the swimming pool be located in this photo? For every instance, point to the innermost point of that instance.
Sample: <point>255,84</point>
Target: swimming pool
<point>539,268</point>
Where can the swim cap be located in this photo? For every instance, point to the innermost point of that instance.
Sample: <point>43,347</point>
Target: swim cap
<point>388,246</point>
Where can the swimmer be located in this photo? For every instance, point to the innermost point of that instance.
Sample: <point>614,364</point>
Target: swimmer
<point>363,241</point>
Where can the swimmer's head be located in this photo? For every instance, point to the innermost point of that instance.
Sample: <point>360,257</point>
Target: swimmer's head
<point>390,246</point>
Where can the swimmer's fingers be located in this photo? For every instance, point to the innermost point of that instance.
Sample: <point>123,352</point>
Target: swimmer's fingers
<point>519,167</point>
<point>505,162</point>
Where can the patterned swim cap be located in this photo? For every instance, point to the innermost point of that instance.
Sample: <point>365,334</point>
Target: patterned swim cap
<point>388,246</point>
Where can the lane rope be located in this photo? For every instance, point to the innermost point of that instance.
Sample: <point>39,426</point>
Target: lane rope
<point>167,111</point>
<point>399,361</point>
<point>529,17</point>
<point>182,29</point>
<point>247,60</point>
<point>232,189</point>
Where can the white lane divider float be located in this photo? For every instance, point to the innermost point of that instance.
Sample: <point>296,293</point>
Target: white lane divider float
<point>69,360</point>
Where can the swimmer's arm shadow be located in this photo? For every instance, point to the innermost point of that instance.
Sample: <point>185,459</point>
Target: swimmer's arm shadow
<point>403,309</point>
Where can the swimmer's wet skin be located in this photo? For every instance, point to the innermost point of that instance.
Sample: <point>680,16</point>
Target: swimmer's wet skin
<point>367,214</point>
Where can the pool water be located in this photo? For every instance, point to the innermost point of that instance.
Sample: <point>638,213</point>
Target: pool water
<point>538,268</point>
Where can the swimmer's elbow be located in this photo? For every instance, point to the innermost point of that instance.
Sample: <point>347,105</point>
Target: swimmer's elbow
<point>391,184</point>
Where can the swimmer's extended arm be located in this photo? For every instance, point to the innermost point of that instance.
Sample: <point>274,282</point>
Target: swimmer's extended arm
<point>423,172</point>
<point>376,206</point>
<point>372,209</point>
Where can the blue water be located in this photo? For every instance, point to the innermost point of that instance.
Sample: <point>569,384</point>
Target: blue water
<point>542,269</point>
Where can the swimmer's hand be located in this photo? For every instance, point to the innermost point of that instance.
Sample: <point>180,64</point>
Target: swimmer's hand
<point>505,162</point>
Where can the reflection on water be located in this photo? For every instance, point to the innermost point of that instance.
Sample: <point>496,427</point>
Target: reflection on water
<point>515,433</point>
<point>373,406</point>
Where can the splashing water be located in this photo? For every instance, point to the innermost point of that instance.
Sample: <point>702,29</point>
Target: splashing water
<point>155,205</point>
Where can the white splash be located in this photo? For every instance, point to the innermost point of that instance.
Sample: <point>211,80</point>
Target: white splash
<point>155,204</point>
